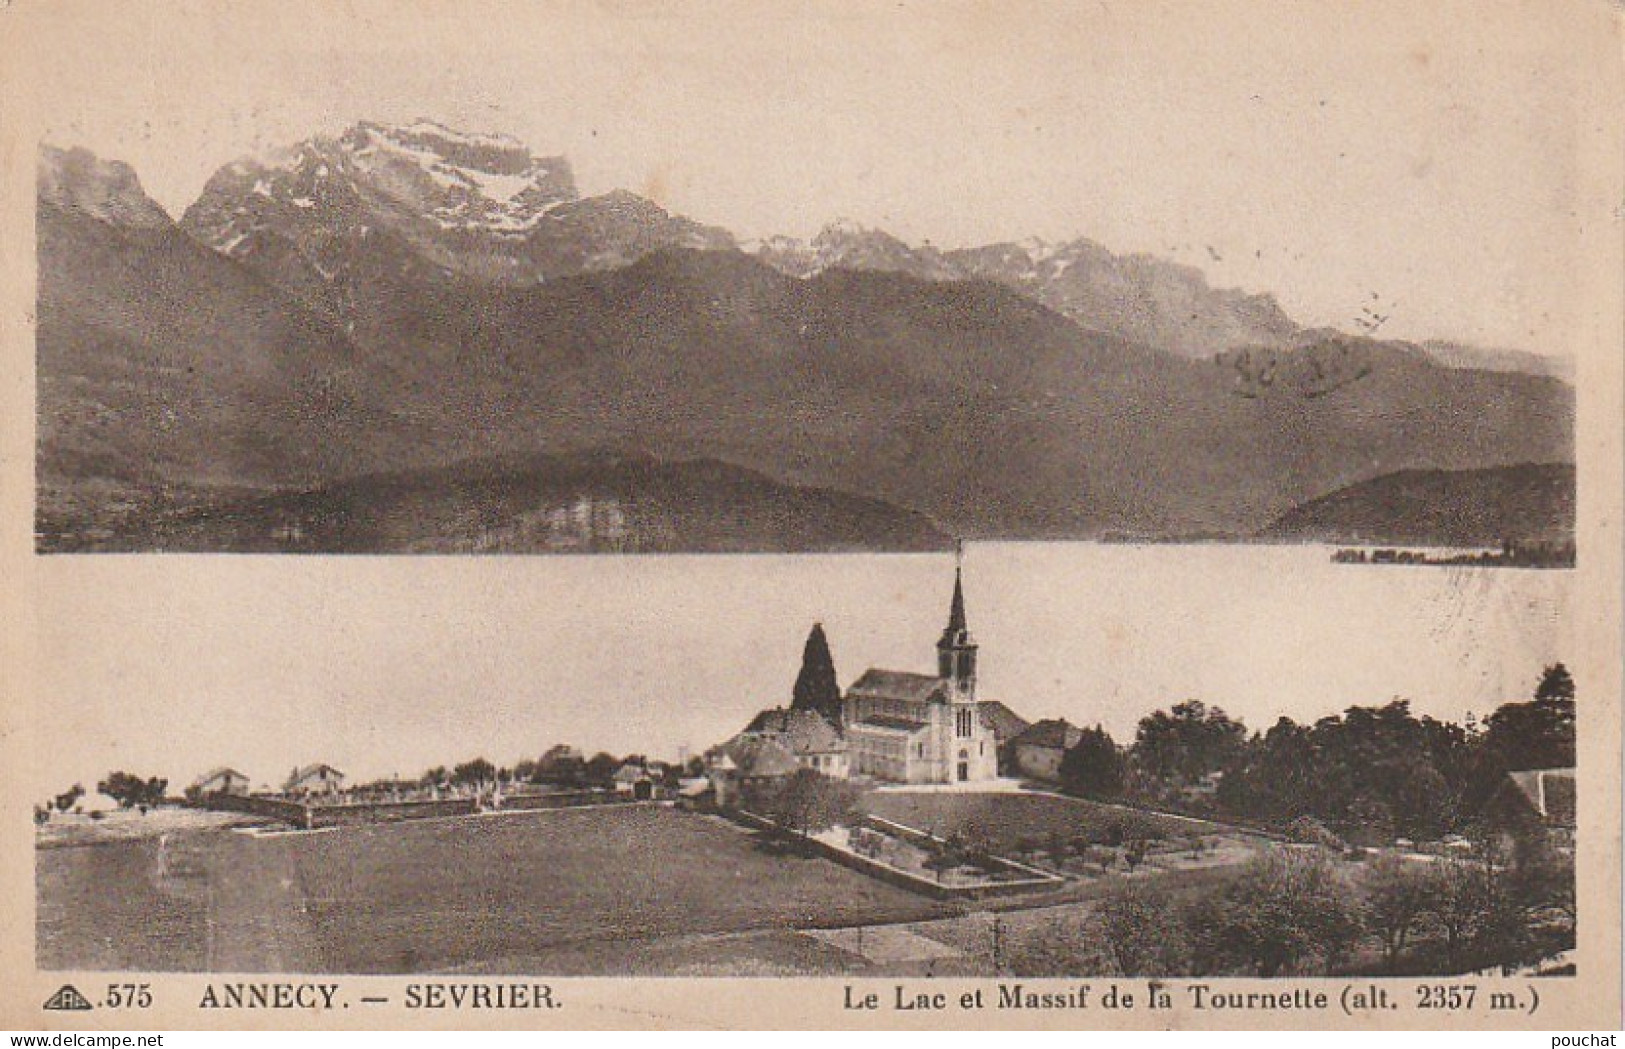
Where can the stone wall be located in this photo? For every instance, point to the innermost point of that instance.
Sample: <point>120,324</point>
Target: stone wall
<point>1021,878</point>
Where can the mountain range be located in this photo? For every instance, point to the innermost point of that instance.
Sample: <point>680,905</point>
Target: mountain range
<point>409,298</point>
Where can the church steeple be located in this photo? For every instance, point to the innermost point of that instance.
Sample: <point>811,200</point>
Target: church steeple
<point>956,610</point>
<point>956,650</point>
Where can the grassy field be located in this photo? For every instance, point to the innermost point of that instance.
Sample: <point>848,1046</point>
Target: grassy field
<point>120,905</point>
<point>1009,821</point>
<point>597,887</point>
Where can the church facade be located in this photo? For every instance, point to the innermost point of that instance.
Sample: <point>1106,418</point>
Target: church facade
<point>918,728</point>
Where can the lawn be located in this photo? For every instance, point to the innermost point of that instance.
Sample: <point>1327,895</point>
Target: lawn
<point>1010,822</point>
<point>437,895</point>
<point>100,907</point>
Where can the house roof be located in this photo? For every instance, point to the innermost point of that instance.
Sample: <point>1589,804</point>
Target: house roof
<point>1050,732</point>
<point>759,756</point>
<point>1005,723</point>
<point>1550,792</point>
<point>890,724</point>
<point>801,731</point>
<point>898,684</point>
<point>214,774</point>
<point>302,774</point>
<point>630,773</point>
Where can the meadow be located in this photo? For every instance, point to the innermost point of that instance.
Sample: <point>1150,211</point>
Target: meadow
<point>498,893</point>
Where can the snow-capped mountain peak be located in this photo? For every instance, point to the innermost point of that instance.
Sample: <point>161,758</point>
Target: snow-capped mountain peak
<point>456,179</point>
<point>422,177</point>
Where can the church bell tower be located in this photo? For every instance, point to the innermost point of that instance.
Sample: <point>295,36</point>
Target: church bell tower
<point>956,650</point>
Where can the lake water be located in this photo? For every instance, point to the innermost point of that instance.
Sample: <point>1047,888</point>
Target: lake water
<point>173,665</point>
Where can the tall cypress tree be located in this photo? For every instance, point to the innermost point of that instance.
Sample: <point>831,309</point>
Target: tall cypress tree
<point>816,688</point>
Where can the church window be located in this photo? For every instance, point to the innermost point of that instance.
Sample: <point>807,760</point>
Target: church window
<point>963,722</point>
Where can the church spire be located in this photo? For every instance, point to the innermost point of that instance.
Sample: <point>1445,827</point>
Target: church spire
<point>956,610</point>
<point>957,632</point>
<point>956,651</point>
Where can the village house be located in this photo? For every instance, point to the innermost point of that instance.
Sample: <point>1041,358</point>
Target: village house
<point>746,761</point>
<point>1006,725</point>
<point>314,779</point>
<point>1534,807</point>
<point>812,741</point>
<point>635,780</point>
<point>1037,753</point>
<point>219,781</point>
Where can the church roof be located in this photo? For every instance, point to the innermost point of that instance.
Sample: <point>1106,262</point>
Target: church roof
<point>890,724</point>
<point>898,684</point>
<point>800,731</point>
<point>1005,723</point>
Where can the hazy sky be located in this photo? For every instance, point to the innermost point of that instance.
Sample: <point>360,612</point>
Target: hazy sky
<point>1424,154</point>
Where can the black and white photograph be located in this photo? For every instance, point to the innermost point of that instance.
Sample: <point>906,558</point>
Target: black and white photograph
<point>1053,498</point>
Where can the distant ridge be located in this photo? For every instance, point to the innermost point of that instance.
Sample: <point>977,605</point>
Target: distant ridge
<point>593,502</point>
<point>1523,503</point>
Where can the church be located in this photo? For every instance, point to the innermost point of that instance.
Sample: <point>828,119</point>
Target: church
<point>919,728</point>
<point>890,725</point>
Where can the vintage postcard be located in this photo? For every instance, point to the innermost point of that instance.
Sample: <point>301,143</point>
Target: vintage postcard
<point>613,514</point>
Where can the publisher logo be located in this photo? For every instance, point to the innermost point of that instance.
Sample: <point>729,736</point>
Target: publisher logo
<point>68,997</point>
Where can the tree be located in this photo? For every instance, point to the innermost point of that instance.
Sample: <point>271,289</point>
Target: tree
<point>1535,735</point>
<point>1505,934</point>
<point>1143,941</point>
<point>1556,686</point>
<point>67,800</point>
<point>1282,911</point>
<point>131,791</point>
<point>1462,897</point>
<point>600,769</point>
<point>1369,773</point>
<point>1543,878</point>
<point>1094,766</point>
<point>475,773</point>
<point>561,765</point>
<point>944,854</point>
<point>805,802</point>
<point>1398,894</point>
<point>1188,741</point>
<point>816,687</point>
